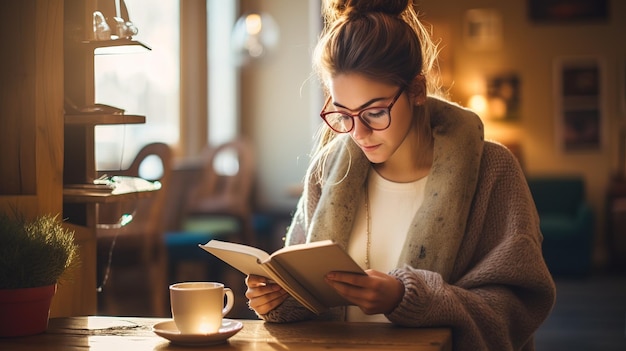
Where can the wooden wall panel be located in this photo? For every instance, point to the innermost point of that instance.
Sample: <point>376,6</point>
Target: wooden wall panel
<point>32,127</point>
<point>17,98</point>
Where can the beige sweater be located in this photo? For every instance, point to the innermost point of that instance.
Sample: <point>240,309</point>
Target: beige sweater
<point>472,258</point>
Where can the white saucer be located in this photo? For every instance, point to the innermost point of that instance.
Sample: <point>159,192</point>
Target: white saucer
<point>169,331</point>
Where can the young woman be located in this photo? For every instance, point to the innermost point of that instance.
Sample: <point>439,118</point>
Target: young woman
<point>442,221</point>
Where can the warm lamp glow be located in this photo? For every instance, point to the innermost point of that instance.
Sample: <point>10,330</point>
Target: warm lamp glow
<point>253,24</point>
<point>478,104</point>
<point>493,108</point>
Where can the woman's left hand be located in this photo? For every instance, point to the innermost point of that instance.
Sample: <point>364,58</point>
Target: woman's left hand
<point>374,293</point>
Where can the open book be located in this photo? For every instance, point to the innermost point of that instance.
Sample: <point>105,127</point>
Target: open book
<point>299,269</point>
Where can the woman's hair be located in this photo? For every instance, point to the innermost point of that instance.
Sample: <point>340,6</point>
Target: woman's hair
<point>383,40</point>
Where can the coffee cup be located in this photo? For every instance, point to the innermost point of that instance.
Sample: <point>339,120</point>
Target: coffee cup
<point>198,307</point>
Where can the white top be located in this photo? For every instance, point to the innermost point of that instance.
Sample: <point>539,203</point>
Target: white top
<point>392,208</point>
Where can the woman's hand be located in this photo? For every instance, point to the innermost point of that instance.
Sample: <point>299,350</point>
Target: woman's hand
<point>374,293</point>
<point>264,295</point>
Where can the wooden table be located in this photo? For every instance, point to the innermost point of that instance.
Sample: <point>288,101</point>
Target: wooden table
<point>120,333</point>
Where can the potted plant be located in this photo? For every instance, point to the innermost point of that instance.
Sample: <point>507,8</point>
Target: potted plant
<point>34,254</point>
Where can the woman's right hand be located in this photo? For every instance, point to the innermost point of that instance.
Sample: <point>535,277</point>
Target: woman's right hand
<point>263,294</point>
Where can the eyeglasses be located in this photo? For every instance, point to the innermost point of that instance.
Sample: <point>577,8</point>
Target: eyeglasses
<point>375,118</point>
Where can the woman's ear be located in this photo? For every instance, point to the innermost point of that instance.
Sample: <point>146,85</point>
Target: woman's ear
<point>418,90</point>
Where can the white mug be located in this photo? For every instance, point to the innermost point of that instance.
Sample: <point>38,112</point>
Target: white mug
<point>198,307</point>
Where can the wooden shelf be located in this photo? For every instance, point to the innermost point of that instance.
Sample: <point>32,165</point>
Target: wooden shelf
<point>127,188</point>
<point>93,119</point>
<point>86,196</point>
<point>96,44</point>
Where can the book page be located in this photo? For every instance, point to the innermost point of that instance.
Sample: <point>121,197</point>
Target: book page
<point>298,247</point>
<point>245,259</point>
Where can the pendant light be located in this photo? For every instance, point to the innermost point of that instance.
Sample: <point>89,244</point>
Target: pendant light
<point>254,36</point>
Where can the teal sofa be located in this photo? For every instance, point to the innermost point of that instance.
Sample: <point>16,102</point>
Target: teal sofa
<point>567,223</point>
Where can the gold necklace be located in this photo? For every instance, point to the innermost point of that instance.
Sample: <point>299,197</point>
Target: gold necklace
<point>368,228</point>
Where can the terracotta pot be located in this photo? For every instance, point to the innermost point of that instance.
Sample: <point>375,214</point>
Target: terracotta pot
<point>25,311</point>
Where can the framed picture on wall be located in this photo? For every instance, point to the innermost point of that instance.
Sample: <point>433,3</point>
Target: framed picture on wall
<point>579,96</point>
<point>568,11</point>
<point>482,29</point>
<point>503,97</point>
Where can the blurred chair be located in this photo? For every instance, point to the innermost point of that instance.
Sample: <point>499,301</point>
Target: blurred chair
<point>132,253</point>
<point>567,223</point>
<point>219,205</point>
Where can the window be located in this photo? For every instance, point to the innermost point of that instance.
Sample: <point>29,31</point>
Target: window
<point>144,83</point>
<point>223,75</point>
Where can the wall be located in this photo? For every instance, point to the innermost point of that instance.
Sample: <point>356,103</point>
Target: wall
<point>278,105</point>
<point>280,101</point>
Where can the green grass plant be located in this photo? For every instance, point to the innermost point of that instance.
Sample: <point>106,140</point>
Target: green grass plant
<point>34,252</point>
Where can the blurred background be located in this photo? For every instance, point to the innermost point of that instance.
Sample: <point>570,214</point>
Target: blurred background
<point>231,108</point>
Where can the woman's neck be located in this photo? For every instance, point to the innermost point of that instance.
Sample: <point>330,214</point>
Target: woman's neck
<point>411,162</point>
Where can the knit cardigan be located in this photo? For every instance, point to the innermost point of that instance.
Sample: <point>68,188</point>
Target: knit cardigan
<point>472,259</point>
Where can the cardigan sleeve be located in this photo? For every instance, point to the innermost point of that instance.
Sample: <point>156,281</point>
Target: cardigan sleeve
<point>501,289</point>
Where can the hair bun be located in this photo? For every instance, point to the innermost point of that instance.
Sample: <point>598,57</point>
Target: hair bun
<point>360,7</point>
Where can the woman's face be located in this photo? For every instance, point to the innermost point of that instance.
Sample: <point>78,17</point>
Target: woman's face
<point>351,93</point>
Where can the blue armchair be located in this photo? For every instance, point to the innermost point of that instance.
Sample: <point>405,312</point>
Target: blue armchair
<point>567,223</point>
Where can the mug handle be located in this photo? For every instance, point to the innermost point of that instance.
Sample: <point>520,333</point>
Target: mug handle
<point>230,301</point>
